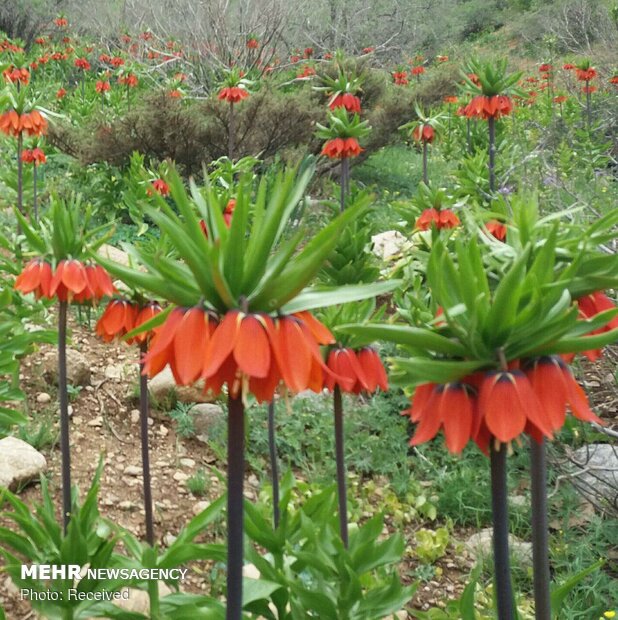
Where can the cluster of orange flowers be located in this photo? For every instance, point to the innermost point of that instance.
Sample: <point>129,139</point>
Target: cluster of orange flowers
<point>489,107</point>
<point>443,218</point>
<point>346,100</point>
<point>14,74</point>
<point>341,148</point>
<point>121,317</point>
<point>31,123</point>
<point>33,156</point>
<point>538,391</point>
<point>233,94</point>
<point>72,281</point>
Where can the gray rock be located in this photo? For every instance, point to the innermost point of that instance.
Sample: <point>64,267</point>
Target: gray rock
<point>132,470</point>
<point>115,254</point>
<point>78,367</point>
<point>479,545</point>
<point>19,463</point>
<point>205,416</point>
<point>596,466</point>
<point>388,244</point>
<point>163,388</point>
<point>43,398</point>
<point>137,601</point>
<point>200,507</point>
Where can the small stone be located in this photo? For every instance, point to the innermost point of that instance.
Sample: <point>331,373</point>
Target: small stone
<point>200,507</point>
<point>77,420</point>
<point>19,463</point>
<point>126,505</point>
<point>43,398</point>
<point>96,423</point>
<point>187,462</point>
<point>169,539</point>
<point>134,416</point>
<point>133,470</point>
<point>163,430</point>
<point>180,476</point>
<point>480,546</point>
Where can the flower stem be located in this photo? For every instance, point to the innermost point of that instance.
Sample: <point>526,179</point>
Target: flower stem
<point>35,206</point>
<point>65,446</point>
<point>468,135</point>
<point>540,529</point>
<point>20,174</point>
<point>492,153</point>
<point>274,468</point>
<point>345,173</point>
<point>499,505</point>
<point>235,498</point>
<point>588,105</point>
<point>143,415</point>
<point>153,598</point>
<point>231,134</point>
<point>340,459</point>
<point>425,175</point>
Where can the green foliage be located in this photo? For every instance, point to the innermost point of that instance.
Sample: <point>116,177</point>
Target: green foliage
<point>181,414</point>
<point>431,544</point>
<point>199,483</point>
<point>314,574</point>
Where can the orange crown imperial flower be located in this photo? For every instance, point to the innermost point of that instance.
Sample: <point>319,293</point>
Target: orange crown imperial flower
<point>121,317</point>
<point>443,218</point>
<point>424,132</point>
<point>489,107</point>
<point>31,123</point>
<point>496,229</point>
<point>341,148</point>
<point>244,350</point>
<point>233,94</point>
<point>346,100</point>
<point>356,371</point>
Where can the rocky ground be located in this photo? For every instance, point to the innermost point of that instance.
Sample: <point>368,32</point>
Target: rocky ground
<point>105,423</point>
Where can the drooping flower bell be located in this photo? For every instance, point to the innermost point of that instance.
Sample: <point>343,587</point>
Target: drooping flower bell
<point>556,389</point>
<point>497,229</point>
<point>31,123</point>
<point>35,278</point>
<point>356,371</point>
<point>443,218</point>
<point>122,316</point>
<point>424,132</point>
<point>484,107</point>
<point>342,148</point>
<point>346,100</point>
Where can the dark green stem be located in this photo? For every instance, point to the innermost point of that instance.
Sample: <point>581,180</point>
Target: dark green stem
<point>20,174</point>
<point>274,467</point>
<point>340,460</point>
<point>492,153</point>
<point>425,173</point>
<point>235,498</point>
<point>231,134</point>
<point>65,445</point>
<point>35,206</point>
<point>345,173</point>
<point>143,411</point>
<point>499,504</point>
<point>540,530</point>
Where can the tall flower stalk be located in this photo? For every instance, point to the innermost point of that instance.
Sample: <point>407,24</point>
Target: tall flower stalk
<point>241,319</point>
<point>342,143</point>
<point>233,90</point>
<point>490,86</point>
<point>61,271</point>
<point>494,370</point>
<point>120,319</point>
